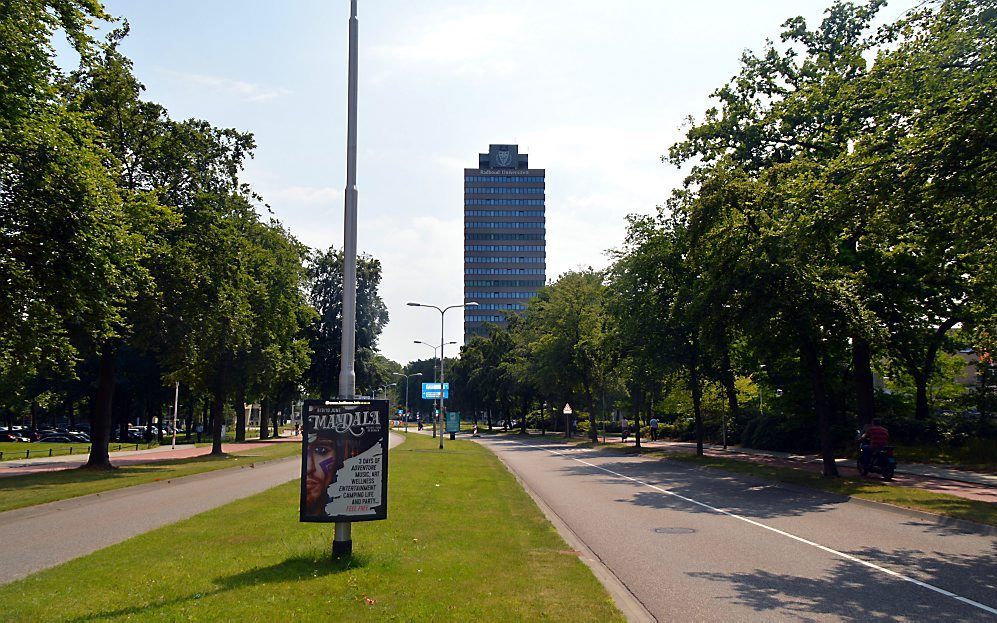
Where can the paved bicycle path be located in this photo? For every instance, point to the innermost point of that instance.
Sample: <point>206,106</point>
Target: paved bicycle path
<point>39,537</point>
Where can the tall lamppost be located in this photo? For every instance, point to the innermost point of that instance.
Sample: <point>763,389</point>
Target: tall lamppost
<point>436,349</point>
<point>384,389</point>
<point>342,544</point>
<point>406,393</point>
<point>443,313</point>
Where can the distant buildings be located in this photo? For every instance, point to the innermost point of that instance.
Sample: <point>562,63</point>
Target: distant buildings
<point>505,238</point>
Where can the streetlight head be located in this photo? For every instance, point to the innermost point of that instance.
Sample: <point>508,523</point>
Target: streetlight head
<point>411,304</point>
<point>416,374</point>
<point>471,304</point>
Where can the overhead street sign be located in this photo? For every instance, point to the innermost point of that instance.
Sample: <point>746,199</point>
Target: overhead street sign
<point>432,391</point>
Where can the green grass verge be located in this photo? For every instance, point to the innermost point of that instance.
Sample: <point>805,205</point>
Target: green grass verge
<point>976,454</point>
<point>10,451</point>
<point>462,542</point>
<point>31,489</point>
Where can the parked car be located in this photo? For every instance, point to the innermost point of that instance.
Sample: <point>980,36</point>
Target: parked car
<point>55,439</point>
<point>12,436</point>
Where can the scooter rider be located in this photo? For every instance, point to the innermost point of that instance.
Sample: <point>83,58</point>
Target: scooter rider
<point>876,436</point>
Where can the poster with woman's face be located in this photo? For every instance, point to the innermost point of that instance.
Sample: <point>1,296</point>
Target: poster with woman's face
<point>344,460</point>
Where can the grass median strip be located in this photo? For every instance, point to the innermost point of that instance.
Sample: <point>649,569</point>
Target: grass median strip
<point>31,489</point>
<point>462,542</point>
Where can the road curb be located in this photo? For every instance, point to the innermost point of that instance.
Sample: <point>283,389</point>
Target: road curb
<point>626,601</point>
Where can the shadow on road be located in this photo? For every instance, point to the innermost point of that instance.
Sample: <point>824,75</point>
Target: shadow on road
<point>844,593</point>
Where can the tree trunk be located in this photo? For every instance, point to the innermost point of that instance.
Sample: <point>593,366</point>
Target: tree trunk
<point>697,394</point>
<point>217,417</point>
<point>822,404</point>
<point>100,414</point>
<point>921,407</point>
<point>240,414</point>
<point>489,413</point>
<point>264,418</point>
<point>276,426</point>
<point>865,406</point>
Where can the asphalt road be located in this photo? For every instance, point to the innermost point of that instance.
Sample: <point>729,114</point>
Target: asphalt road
<point>39,537</point>
<point>695,544</point>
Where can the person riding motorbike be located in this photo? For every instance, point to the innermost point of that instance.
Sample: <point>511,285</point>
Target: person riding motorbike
<point>875,438</point>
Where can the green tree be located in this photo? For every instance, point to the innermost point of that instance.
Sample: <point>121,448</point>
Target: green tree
<point>325,278</point>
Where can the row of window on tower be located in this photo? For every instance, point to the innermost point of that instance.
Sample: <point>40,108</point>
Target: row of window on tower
<point>503,236</point>
<point>504,179</point>
<point>502,190</point>
<point>483,318</point>
<point>503,202</point>
<point>505,260</point>
<point>503,283</point>
<point>503,212</point>
<point>501,306</point>
<point>502,247</point>
<point>472,296</point>
<point>497,225</point>
<point>504,271</point>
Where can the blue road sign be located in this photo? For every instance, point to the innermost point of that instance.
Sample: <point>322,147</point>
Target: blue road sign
<point>432,391</point>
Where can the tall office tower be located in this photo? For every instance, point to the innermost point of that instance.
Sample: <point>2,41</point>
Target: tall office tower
<point>504,237</point>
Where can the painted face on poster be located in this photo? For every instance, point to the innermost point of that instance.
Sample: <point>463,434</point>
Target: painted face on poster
<point>344,464</point>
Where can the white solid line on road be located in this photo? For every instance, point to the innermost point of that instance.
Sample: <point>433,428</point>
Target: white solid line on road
<point>899,576</point>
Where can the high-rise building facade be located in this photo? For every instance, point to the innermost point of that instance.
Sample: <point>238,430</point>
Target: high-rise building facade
<point>505,241</point>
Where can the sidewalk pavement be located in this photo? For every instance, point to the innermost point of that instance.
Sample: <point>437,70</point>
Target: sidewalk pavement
<point>20,467</point>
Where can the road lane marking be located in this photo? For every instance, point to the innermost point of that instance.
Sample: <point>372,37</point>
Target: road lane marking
<point>849,557</point>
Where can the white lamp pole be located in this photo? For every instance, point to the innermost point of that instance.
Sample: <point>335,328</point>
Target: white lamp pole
<point>342,544</point>
<point>443,313</point>
<point>176,405</point>
<point>406,393</point>
<point>436,349</point>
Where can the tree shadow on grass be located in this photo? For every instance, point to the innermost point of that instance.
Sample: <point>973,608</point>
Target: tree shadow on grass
<point>297,568</point>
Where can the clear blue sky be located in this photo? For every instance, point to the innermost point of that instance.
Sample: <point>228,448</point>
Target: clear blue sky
<point>595,92</point>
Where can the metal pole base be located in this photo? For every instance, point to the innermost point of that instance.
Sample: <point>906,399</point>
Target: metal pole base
<point>342,549</point>
<point>342,544</point>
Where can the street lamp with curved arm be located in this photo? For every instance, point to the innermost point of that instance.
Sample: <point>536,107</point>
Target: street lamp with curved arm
<point>443,311</point>
<point>436,349</point>
<point>406,393</point>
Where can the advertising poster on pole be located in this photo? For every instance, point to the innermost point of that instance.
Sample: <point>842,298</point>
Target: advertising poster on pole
<point>453,421</point>
<point>344,460</point>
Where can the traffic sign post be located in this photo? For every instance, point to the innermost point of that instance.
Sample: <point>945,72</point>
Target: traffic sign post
<point>435,391</point>
<point>567,419</point>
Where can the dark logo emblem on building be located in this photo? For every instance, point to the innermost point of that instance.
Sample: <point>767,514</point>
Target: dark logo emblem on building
<point>504,158</point>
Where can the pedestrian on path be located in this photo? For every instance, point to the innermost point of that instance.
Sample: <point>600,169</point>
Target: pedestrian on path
<point>654,428</point>
<point>624,429</point>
